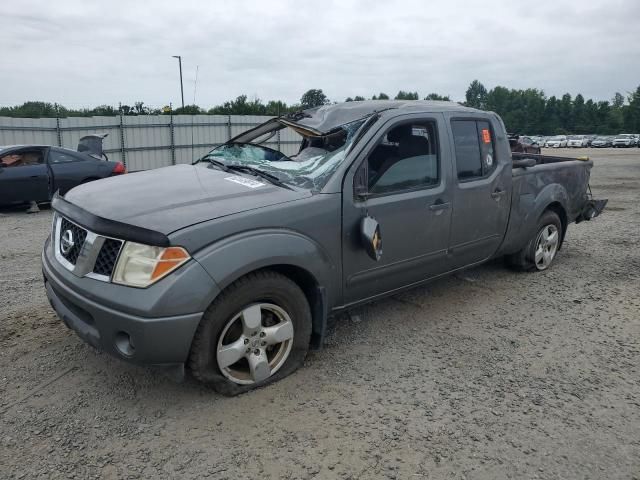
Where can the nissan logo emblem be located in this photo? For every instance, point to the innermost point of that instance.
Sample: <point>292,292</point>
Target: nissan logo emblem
<point>66,242</point>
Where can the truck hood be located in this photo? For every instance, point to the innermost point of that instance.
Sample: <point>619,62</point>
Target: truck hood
<point>168,199</point>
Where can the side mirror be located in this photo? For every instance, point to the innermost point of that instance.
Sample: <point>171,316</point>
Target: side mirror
<point>371,237</point>
<point>525,163</point>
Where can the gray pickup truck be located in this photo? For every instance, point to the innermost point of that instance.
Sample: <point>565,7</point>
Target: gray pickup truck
<point>231,266</point>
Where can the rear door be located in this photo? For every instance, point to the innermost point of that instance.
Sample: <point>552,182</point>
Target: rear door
<point>481,190</point>
<point>24,176</point>
<point>407,174</point>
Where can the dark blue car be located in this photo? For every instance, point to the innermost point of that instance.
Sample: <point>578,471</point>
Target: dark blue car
<point>33,173</point>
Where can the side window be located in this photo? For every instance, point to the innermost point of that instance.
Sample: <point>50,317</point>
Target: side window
<point>59,157</point>
<point>485,136</point>
<point>473,140</point>
<point>465,139</point>
<point>21,159</point>
<point>406,158</point>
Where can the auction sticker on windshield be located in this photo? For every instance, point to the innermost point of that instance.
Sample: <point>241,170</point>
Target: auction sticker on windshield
<point>247,182</point>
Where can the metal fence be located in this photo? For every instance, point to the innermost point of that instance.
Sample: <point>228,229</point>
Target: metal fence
<point>145,141</point>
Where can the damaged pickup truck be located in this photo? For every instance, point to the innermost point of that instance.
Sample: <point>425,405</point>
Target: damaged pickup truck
<point>231,266</point>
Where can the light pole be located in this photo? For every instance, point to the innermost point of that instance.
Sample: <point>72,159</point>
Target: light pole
<point>181,88</point>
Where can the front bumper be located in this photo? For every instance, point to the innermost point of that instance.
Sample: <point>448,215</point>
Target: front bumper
<point>129,335</point>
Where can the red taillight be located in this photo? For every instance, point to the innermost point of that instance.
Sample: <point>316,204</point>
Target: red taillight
<point>119,169</point>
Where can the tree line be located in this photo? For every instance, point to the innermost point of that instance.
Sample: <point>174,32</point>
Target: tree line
<point>531,111</point>
<point>523,111</point>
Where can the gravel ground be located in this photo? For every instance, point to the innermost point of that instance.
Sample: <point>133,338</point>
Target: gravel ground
<point>487,374</point>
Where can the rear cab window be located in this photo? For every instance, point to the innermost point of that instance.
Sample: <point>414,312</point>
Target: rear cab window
<point>474,147</point>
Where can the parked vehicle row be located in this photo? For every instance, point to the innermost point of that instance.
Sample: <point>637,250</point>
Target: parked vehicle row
<point>623,140</point>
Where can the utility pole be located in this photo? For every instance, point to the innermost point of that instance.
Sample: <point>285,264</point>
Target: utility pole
<point>181,87</point>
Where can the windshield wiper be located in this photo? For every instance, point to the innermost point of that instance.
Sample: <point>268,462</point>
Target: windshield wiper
<point>221,165</point>
<point>254,171</point>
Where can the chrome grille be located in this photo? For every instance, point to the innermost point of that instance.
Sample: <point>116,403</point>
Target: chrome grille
<point>72,239</point>
<point>106,260</point>
<point>83,252</point>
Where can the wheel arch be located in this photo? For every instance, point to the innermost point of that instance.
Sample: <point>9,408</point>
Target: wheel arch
<point>316,297</point>
<point>559,210</point>
<point>315,294</point>
<point>526,212</point>
<point>289,253</point>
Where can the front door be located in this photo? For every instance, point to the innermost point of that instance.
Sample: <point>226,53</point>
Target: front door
<point>481,191</point>
<point>406,194</point>
<point>24,176</point>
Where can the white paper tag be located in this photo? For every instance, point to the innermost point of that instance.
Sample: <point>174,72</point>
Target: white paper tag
<point>247,182</point>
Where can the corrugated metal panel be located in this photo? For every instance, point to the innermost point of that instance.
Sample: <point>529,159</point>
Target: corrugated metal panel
<point>151,134</point>
<point>74,128</point>
<point>289,141</point>
<point>28,131</point>
<point>148,159</point>
<point>189,155</point>
<point>240,123</point>
<point>195,135</point>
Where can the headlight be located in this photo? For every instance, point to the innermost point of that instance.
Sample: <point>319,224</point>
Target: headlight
<point>142,265</point>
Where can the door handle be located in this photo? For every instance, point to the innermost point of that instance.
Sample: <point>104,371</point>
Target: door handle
<point>439,206</point>
<point>497,193</point>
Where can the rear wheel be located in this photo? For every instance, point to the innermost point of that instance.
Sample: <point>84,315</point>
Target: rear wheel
<point>256,332</point>
<point>539,253</point>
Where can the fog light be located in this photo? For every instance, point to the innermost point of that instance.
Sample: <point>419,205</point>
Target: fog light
<point>124,344</point>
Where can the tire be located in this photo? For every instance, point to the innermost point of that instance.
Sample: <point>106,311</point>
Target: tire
<point>232,328</point>
<point>526,259</point>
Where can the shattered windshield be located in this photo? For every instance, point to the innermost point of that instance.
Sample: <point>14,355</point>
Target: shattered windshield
<point>310,168</point>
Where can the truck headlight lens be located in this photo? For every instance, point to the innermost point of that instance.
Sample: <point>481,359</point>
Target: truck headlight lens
<point>142,265</point>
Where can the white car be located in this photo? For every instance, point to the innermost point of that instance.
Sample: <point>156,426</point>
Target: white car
<point>539,140</point>
<point>559,141</point>
<point>578,141</point>
<point>624,140</point>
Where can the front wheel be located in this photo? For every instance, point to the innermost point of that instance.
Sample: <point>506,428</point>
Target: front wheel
<point>256,332</point>
<point>538,254</point>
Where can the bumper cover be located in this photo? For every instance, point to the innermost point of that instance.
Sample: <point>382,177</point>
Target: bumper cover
<point>592,209</point>
<point>149,341</point>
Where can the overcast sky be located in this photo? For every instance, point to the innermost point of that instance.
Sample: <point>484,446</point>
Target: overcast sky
<point>84,53</point>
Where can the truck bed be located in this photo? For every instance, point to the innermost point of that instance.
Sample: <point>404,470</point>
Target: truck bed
<point>552,179</point>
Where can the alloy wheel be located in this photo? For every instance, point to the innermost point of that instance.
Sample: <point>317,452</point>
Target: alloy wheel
<point>255,343</point>
<point>546,246</point>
